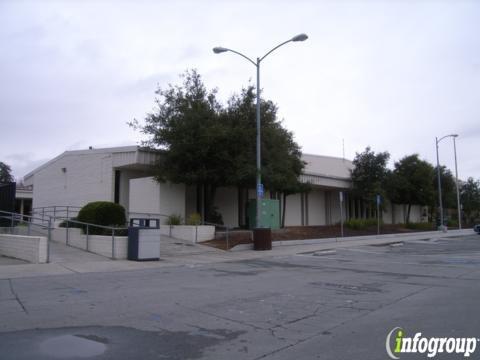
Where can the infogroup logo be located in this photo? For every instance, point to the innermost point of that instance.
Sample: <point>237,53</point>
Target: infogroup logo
<point>397,343</point>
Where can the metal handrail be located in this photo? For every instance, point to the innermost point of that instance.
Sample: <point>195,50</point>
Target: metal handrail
<point>89,224</point>
<point>87,231</point>
<point>227,228</point>
<point>146,213</point>
<point>16,217</point>
<point>47,210</point>
<point>227,231</point>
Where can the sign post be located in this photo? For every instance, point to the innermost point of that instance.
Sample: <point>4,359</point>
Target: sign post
<point>260,194</point>
<point>379,199</point>
<point>341,212</point>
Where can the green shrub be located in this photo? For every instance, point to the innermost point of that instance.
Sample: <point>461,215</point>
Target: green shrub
<point>452,223</point>
<point>360,224</point>
<point>420,226</point>
<point>174,219</point>
<point>71,224</point>
<point>194,219</point>
<point>103,213</point>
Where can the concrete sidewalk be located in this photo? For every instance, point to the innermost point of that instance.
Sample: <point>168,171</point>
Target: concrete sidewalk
<point>192,255</point>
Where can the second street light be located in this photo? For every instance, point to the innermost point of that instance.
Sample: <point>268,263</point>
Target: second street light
<point>437,141</point>
<point>259,190</point>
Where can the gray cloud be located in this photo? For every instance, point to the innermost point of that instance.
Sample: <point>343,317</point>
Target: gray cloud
<point>392,75</point>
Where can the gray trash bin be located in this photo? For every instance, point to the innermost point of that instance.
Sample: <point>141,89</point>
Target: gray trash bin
<point>144,239</point>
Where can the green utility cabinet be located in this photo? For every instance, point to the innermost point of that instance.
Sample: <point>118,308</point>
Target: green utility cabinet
<point>269,215</point>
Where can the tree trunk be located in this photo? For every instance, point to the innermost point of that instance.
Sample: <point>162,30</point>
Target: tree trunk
<point>210,191</point>
<point>284,207</point>
<point>408,213</point>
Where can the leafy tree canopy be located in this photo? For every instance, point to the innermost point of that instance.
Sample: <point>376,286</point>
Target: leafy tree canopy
<point>207,144</point>
<point>369,174</point>
<point>5,173</point>
<point>449,189</point>
<point>411,182</point>
<point>470,199</point>
<point>281,155</point>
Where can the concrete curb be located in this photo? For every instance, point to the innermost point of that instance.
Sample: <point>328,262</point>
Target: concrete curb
<point>398,237</point>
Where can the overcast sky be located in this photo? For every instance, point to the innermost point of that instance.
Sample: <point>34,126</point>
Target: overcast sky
<point>389,74</point>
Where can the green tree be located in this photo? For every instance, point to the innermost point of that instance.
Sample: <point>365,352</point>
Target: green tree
<point>470,200</point>
<point>186,128</point>
<point>281,155</point>
<point>411,183</point>
<point>449,189</point>
<point>5,173</point>
<point>369,175</point>
<point>206,144</point>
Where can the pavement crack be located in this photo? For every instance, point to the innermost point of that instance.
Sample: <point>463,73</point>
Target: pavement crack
<point>17,298</point>
<point>66,267</point>
<point>313,314</point>
<point>222,317</point>
<point>365,313</point>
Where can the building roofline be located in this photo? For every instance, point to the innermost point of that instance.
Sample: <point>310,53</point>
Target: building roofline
<point>327,156</point>
<point>135,148</point>
<point>110,150</point>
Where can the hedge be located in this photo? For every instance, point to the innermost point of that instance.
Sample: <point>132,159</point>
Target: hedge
<point>102,213</point>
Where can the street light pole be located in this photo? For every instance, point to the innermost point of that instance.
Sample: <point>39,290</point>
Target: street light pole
<point>437,141</point>
<point>459,208</point>
<point>259,157</point>
<point>439,186</point>
<point>259,186</point>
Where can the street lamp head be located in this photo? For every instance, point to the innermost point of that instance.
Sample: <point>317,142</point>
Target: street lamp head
<point>300,37</point>
<point>455,135</point>
<point>219,49</point>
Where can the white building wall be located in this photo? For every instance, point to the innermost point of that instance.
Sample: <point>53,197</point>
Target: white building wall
<point>172,199</point>
<point>387,215</point>
<point>124,193</point>
<point>316,207</point>
<point>144,196</point>
<point>293,212</point>
<point>335,207</point>
<point>400,214</point>
<point>149,196</point>
<point>74,179</point>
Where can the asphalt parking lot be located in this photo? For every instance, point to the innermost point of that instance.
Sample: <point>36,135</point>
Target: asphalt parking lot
<point>330,304</point>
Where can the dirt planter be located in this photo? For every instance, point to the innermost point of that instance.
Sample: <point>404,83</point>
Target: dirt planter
<point>262,239</point>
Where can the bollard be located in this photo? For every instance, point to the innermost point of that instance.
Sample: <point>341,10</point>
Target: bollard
<point>87,238</point>
<point>113,244</point>
<point>49,237</point>
<point>228,247</point>
<point>66,239</point>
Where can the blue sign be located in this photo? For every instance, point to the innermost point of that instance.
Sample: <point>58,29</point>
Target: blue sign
<point>260,190</point>
<point>379,199</point>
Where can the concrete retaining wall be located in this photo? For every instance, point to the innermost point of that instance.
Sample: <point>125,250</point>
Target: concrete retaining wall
<point>29,248</point>
<point>101,245</point>
<point>189,233</point>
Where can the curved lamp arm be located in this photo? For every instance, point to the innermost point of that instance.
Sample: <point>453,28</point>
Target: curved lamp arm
<point>299,37</point>
<point>450,135</point>
<point>218,50</point>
